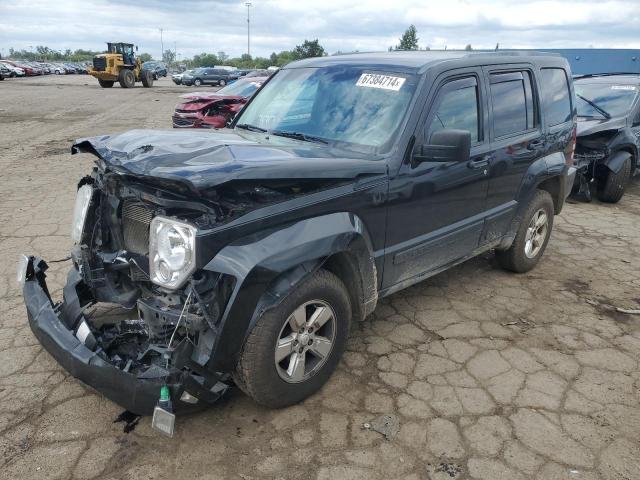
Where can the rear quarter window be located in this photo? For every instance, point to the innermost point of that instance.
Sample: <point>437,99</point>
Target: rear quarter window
<point>556,96</point>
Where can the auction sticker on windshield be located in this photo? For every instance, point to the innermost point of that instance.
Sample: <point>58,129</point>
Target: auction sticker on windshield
<point>386,82</point>
<point>623,87</point>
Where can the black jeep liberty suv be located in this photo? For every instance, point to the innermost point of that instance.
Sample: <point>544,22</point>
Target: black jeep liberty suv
<point>243,254</point>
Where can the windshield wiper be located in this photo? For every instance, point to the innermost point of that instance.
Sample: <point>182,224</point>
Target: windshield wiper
<point>252,128</point>
<point>299,136</point>
<point>600,110</point>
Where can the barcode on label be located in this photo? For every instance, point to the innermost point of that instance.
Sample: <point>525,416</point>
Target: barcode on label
<point>386,82</point>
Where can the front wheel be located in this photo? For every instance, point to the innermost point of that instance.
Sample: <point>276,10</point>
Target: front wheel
<point>197,82</point>
<point>611,186</point>
<point>126,78</point>
<point>105,83</point>
<point>532,235</point>
<point>294,348</point>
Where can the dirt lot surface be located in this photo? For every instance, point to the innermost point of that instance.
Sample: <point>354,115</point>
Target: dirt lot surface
<point>491,375</point>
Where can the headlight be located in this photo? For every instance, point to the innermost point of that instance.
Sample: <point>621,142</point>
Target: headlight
<point>83,199</point>
<point>172,251</point>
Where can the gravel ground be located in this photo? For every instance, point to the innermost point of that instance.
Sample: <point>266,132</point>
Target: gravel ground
<point>491,375</point>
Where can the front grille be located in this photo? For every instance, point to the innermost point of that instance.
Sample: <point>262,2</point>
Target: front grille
<point>136,219</point>
<point>182,122</point>
<point>99,63</point>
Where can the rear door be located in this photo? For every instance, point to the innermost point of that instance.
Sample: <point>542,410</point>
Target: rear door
<point>210,76</point>
<point>436,210</point>
<point>517,140</point>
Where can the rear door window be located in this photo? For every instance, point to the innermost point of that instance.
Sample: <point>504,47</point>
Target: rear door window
<point>457,108</point>
<point>556,95</point>
<point>512,101</point>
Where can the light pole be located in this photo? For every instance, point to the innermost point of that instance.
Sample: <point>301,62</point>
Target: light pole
<point>161,46</point>
<point>248,4</point>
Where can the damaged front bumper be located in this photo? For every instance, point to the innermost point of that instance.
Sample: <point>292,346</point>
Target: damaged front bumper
<point>63,331</point>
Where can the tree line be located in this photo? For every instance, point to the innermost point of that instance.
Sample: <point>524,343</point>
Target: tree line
<point>309,48</point>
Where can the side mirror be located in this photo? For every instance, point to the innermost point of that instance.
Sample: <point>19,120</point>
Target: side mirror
<point>444,146</point>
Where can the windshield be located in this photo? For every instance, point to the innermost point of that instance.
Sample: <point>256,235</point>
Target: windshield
<point>600,99</point>
<point>348,105</point>
<point>241,88</point>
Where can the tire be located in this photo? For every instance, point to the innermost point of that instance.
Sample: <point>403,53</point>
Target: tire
<point>611,186</point>
<point>525,251</point>
<point>269,383</point>
<point>106,83</point>
<point>197,82</point>
<point>222,83</point>
<point>147,78</point>
<point>126,78</point>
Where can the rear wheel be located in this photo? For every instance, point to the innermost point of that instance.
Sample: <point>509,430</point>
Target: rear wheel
<point>294,348</point>
<point>611,186</point>
<point>147,78</point>
<point>222,83</point>
<point>106,83</point>
<point>126,78</point>
<point>532,236</point>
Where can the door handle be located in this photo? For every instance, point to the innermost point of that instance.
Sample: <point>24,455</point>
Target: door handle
<point>480,163</point>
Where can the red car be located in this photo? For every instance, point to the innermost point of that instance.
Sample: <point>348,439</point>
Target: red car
<point>28,70</point>
<point>214,110</point>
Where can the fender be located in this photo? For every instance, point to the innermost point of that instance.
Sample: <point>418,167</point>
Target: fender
<point>270,264</point>
<point>616,161</point>
<point>545,172</point>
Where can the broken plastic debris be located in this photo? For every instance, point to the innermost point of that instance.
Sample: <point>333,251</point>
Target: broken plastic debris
<point>387,425</point>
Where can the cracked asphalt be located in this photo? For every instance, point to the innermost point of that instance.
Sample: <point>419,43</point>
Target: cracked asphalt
<point>492,375</point>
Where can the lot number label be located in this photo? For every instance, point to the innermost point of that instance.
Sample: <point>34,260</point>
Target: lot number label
<point>386,82</point>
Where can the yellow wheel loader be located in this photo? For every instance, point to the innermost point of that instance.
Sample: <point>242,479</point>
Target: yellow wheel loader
<point>121,65</point>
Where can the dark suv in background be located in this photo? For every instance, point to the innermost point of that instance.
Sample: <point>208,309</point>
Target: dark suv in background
<point>208,76</point>
<point>245,253</point>
<point>608,134</point>
<point>159,69</point>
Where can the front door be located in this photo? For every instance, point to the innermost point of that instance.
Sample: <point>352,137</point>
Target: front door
<point>436,210</point>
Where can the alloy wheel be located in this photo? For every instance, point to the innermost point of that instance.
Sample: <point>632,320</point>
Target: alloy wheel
<point>536,233</point>
<point>305,341</point>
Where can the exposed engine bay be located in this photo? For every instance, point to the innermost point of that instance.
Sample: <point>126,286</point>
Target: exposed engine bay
<point>171,328</point>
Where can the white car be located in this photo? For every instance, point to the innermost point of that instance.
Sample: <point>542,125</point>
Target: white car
<point>15,71</point>
<point>57,69</point>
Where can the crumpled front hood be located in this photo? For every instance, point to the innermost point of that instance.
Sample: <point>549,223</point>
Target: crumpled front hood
<point>204,159</point>
<point>199,102</point>
<point>589,126</point>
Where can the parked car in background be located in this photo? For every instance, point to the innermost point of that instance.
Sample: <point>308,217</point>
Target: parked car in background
<point>244,254</point>
<point>4,72</point>
<point>215,110</point>
<point>177,77</point>
<point>159,69</point>
<point>207,76</point>
<point>13,70</point>
<point>27,69</point>
<point>36,67</point>
<point>608,134</point>
<point>70,68</point>
<point>59,69</point>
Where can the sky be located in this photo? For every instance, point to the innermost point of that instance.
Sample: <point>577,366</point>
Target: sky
<point>196,26</point>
